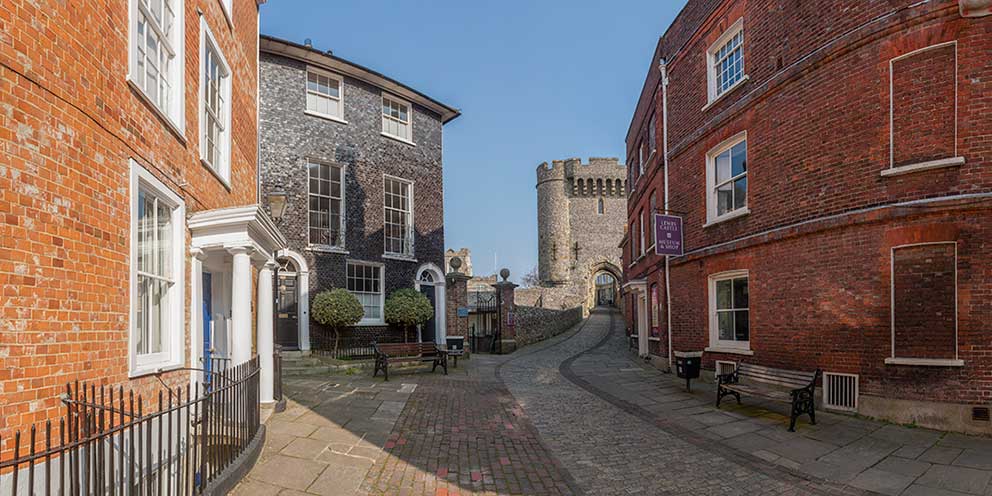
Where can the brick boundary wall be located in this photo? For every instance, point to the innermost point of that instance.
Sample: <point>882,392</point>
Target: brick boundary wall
<point>537,324</point>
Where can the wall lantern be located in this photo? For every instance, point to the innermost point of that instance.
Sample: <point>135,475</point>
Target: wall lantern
<point>277,204</point>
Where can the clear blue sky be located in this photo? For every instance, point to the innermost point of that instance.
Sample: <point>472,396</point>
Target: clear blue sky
<point>535,80</point>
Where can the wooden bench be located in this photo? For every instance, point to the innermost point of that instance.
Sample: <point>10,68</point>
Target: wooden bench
<point>387,353</point>
<point>788,386</point>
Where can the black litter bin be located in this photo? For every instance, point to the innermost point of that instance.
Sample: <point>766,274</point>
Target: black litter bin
<point>687,365</point>
<point>456,347</point>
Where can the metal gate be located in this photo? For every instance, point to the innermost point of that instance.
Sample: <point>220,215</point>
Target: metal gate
<point>485,324</point>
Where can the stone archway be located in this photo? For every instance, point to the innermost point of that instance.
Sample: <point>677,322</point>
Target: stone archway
<point>603,283</point>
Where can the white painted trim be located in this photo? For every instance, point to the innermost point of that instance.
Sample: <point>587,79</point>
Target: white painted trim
<point>227,11</point>
<point>894,360</point>
<point>386,95</point>
<point>306,91</point>
<point>717,344</point>
<point>711,201</point>
<point>740,82</point>
<point>892,61</point>
<point>711,90</point>
<point>343,227</point>
<point>729,351</point>
<point>175,115</point>
<point>923,166</point>
<point>441,336</point>
<point>302,295</point>
<point>926,362</point>
<point>175,354</point>
<point>222,170</point>
<point>407,257</point>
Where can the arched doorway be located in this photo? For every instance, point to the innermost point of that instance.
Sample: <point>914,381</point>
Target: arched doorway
<point>292,326</point>
<point>606,290</point>
<point>430,282</point>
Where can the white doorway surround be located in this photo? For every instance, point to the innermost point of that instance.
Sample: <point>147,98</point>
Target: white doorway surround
<point>227,243</point>
<point>431,275</point>
<point>638,289</point>
<point>303,285</point>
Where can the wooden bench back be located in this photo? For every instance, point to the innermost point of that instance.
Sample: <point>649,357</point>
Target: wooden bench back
<point>407,349</point>
<point>793,379</point>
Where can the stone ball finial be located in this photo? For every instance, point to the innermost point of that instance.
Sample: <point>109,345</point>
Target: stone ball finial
<point>505,274</point>
<point>456,263</point>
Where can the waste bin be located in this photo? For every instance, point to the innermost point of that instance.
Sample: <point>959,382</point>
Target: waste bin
<point>456,347</point>
<point>687,365</point>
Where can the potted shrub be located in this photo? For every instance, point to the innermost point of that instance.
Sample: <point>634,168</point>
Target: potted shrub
<point>337,309</point>
<point>407,308</point>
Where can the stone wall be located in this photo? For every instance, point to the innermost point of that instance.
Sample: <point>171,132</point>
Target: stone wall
<point>537,324</point>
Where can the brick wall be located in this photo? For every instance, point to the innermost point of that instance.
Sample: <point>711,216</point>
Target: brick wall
<point>816,112</point>
<point>69,125</point>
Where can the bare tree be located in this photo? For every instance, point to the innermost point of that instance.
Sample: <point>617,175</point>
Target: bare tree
<point>531,279</point>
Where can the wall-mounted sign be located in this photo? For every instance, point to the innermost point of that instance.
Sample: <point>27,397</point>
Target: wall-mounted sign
<point>509,319</point>
<point>668,235</point>
<point>463,311</point>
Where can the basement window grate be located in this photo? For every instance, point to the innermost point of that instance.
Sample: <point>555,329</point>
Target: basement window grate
<point>840,391</point>
<point>980,414</point>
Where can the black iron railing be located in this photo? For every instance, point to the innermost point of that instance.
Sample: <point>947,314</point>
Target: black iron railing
<point>322,343</point>
<point>114,443</point>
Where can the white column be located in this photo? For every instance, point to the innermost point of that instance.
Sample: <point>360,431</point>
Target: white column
<point>240,306</point>
<point>196,311</point>
<point>264,330</point>
<point>303,293</point>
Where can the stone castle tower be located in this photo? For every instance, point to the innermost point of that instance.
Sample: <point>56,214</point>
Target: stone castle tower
<point>581,213</point>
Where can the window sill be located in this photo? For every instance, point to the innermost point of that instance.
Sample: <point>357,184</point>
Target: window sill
<point>923,166</point>
<point>153,369</point>
<point>397,138</point>
<point>325,116</point>
<point>402,258</point>
<point>728,350</point>
<point>328,249</point>
<point>371,323</point>
<point>925,362</point>
<point>725,217</point>
<point>652,338</point>
<point>223,180</point>
<point>177,128</point>
<point>723,95</point>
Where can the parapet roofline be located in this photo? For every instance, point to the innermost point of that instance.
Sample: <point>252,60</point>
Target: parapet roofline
<point>310,55</point>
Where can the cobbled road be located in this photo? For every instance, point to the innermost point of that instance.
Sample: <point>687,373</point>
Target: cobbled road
<point>606,445</point>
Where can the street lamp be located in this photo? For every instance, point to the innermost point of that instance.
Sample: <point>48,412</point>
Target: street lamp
<point>277,204</point>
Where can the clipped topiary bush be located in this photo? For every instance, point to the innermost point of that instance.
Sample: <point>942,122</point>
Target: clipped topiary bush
<point>407,308</point>
<point>337,309</point>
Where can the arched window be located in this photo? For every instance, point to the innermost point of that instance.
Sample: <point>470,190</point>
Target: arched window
<point>427,277</point>
<point>599,187</point>
<point>600,207</point>
<point>286,265</point>
<point>582,187</point>
<point>609,187</point>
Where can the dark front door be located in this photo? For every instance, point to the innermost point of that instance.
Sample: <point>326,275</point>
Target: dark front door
<point>287,318</point>
<point>428,331</point>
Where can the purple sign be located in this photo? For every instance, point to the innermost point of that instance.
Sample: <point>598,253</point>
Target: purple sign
<point>668,235</point>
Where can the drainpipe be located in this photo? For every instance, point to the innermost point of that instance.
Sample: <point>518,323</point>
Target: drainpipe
<point>664,154</point>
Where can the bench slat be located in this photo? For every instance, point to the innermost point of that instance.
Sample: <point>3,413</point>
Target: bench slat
<point>758,369</point>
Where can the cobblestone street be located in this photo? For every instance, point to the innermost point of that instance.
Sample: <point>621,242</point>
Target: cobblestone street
<point>579,414</point>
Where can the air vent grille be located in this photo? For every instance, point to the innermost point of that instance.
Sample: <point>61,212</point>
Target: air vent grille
<point>723,367</point>
<point>840,391</point>
<point>980,414</point>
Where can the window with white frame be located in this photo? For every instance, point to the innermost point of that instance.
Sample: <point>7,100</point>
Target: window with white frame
<point>641,157</point>
<point>652,235</point>
<point>157,261</point>
<point>325,94</point>
<point>365,282</point>
<point>726,174</point>
<point>652,138</point>
<point>396,118</point>
<point>726,61</point>
<point>215,106</point>
<point>399,216</point>
<point>729,311</point>
<point>326,194</point>
<point>155,55</point>
<point>641,223</point>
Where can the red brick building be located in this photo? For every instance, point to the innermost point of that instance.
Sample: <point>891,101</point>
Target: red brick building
<point>128,152</point>
<point>832,163</point>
